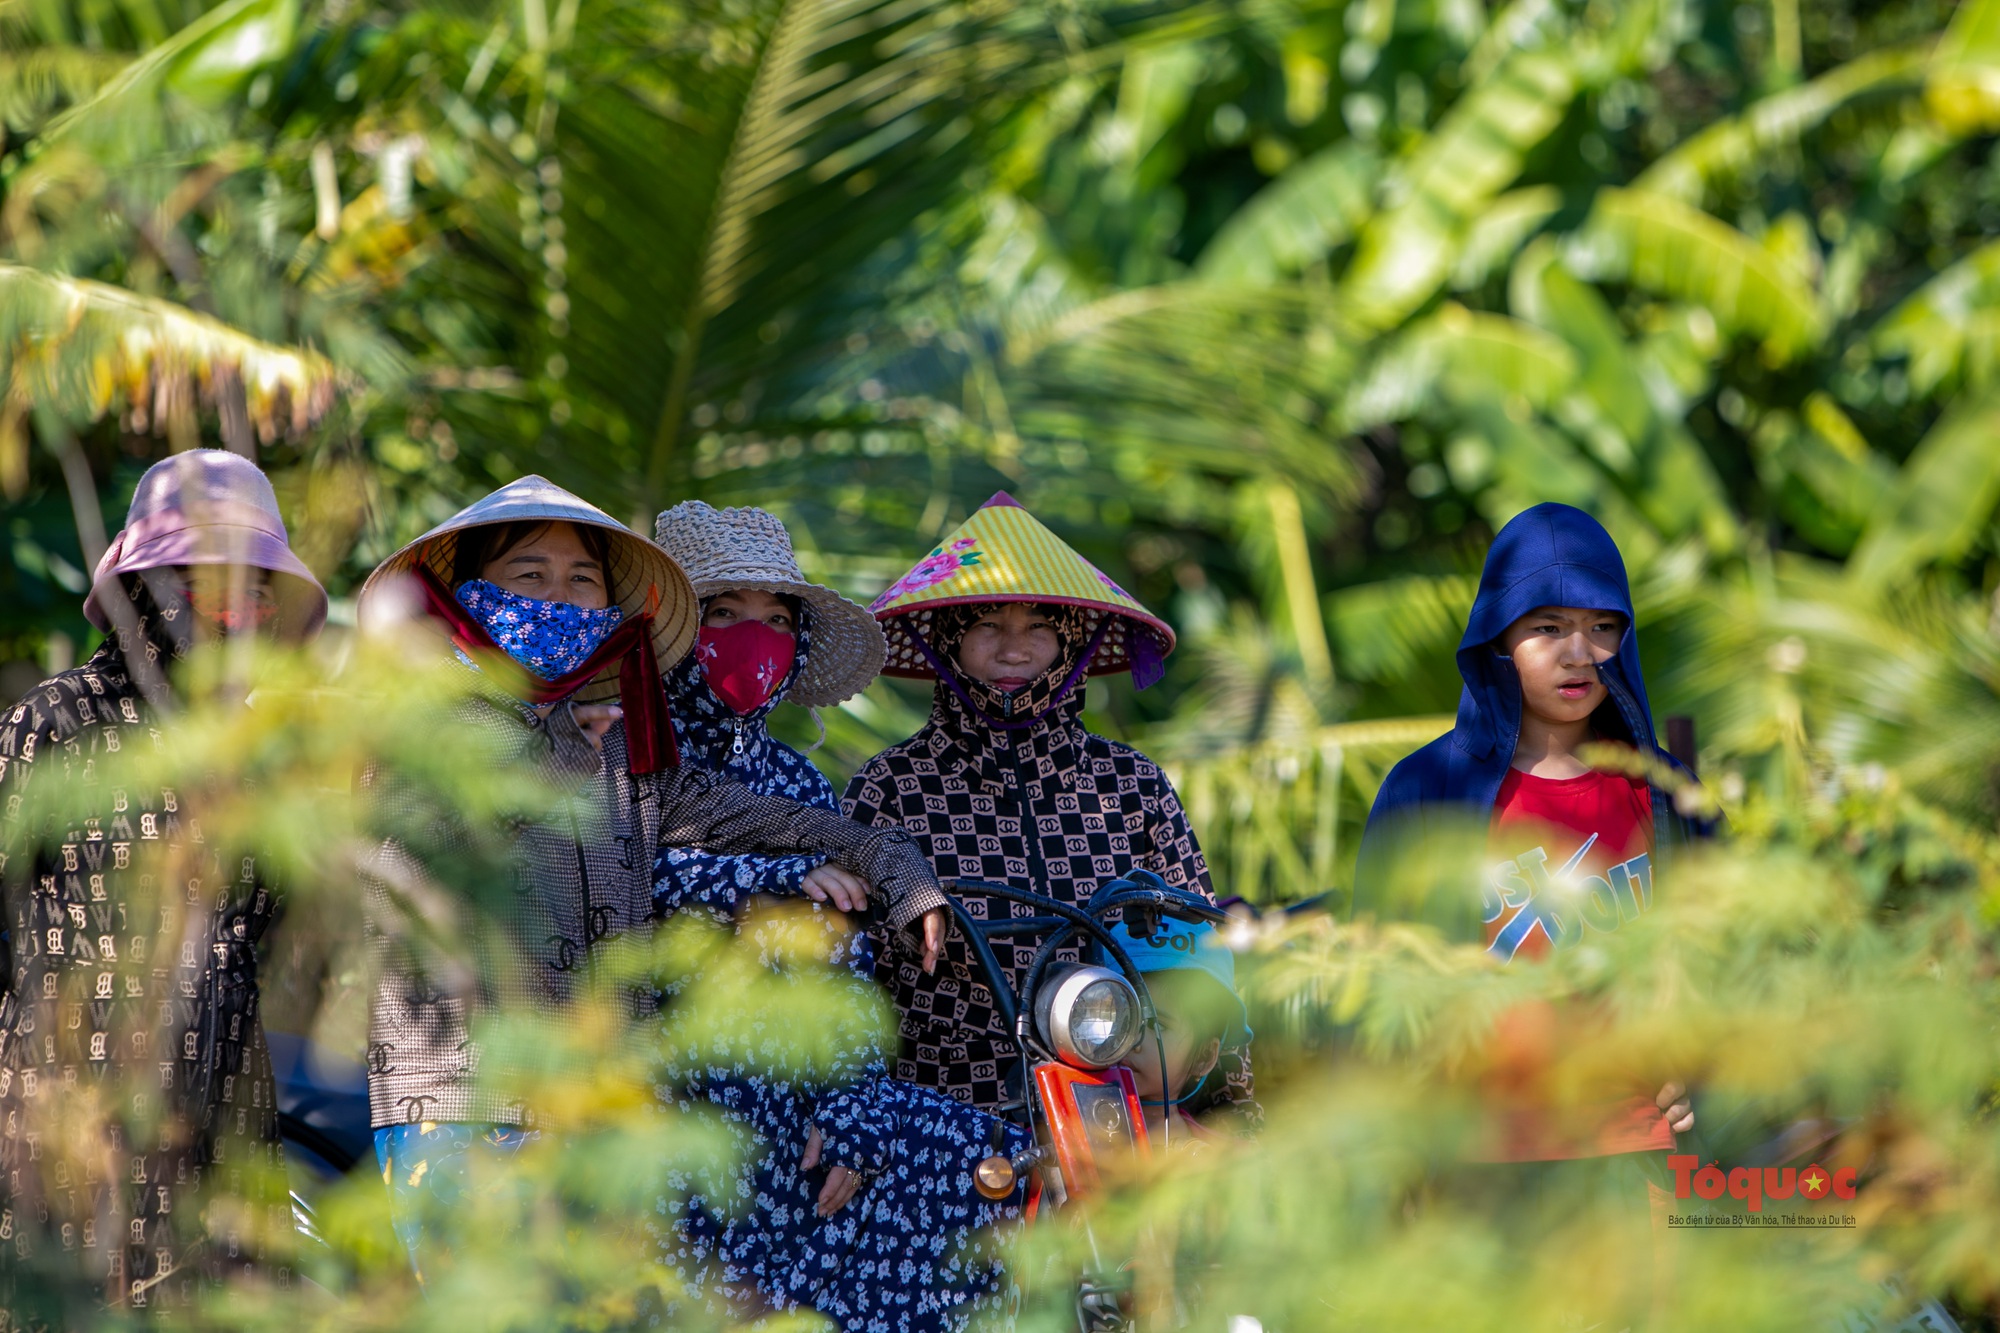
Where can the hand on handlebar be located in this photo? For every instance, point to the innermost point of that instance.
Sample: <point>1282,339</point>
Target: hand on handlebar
<point>828,883</point>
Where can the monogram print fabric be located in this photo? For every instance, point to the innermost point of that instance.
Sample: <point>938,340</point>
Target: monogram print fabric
<point>581,875</point>
<point>133,989</point>
<point>1054,809</point>
<point>911,1251</point>
<point>551,639</point>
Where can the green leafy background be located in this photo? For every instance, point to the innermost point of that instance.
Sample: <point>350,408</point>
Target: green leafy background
<point>1276,309</point>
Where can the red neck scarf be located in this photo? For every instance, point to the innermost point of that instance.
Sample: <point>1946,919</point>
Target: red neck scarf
<point>649,725</point>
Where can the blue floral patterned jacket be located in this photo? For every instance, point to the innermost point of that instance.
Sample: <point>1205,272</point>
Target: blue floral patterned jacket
<point>909,1254</point>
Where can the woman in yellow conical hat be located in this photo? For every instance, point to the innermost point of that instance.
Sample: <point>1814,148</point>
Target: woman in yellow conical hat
<point>1004,783</point>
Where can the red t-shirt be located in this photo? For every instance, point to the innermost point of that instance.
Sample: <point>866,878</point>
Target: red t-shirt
<point>1573,856</point>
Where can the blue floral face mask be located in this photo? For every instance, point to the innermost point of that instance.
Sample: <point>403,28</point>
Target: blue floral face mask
<point>550,639</point>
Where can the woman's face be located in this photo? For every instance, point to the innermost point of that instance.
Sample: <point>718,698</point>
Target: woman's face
<point>552,565</point>
<point>741,604</point>
<point>1009,646</point>
<point>225,599</point>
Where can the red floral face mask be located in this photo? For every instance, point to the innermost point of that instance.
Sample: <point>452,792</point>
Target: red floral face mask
<point>246,609</point>
<point>745,662</point>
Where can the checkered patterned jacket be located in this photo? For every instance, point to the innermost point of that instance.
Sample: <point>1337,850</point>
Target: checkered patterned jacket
<point>1053,809</point>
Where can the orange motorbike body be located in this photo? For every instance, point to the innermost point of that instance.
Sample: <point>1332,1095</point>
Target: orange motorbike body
<point>1093,1116</point>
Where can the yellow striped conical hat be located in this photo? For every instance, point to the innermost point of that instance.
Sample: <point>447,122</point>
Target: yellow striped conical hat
<point>1003,553</point>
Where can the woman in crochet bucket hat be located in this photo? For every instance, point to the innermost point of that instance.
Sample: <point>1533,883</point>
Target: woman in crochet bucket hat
<point>841,1166</point>
<point>1004,783</point>
<point>559,620</point>
<point>203,555</point>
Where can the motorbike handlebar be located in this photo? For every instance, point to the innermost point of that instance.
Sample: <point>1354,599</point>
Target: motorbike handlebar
<point>1173,903</point>
<point>1180,904</point>
<point>1139,904</point>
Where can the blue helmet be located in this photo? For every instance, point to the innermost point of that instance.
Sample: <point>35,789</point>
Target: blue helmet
<point>1178,946</point>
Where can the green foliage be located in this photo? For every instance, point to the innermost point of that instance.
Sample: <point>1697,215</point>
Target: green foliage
<point>1773,980</point>
<point>558,1237</point>
<point>1277,310</point>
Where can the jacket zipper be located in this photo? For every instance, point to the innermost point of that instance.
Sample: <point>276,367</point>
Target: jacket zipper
<point>1031,829</point>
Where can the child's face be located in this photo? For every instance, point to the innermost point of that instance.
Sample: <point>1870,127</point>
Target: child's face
<point>1556,650</point>
<point>1185,1061</point>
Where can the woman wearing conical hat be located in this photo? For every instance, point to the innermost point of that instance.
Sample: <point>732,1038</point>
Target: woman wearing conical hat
<point>1004,783</point>
<point>561,620</point>
<point>135,1083</point>
<point>842,1167</point>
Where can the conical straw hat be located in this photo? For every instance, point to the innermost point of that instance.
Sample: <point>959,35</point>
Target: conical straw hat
<point>642,577</point>
<point>722,549</point>
<point>1002,553</point>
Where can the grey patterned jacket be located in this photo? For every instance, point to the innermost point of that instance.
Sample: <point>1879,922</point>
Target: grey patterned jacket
<point>580,876</point>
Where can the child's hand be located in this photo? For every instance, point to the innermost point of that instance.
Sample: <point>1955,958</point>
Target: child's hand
<point>829,883</point>
<point>1675,1104</point>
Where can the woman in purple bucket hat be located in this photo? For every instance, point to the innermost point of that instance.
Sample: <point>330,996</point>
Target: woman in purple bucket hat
<point>134,1080</point>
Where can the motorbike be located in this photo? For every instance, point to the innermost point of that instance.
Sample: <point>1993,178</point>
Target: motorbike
<point>1073,1023</point>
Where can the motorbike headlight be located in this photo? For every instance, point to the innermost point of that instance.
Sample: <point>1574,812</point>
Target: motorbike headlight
<point>1089,1016</point>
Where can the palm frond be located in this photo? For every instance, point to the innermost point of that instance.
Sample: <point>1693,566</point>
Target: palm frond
<point>1949,328</point>
<point>203,64</point>
<point>1727,149</point>
<point>1964,89</point>
<point>1943,499</point>
<point>39,81</point>
<point>1298,219</point>
<point>84,348</point>
<point>1666,247</point>
<point>1467,357</point>
<point>1406,252</point>
<point>1395,628</point>
<point>1228,383</point>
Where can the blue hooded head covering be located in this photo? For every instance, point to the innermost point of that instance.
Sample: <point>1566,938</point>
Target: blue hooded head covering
<point>1550,555</point>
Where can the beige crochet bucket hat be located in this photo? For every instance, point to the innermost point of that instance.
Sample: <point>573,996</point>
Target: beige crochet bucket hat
<point>642,577</point>
<point>723,549</point>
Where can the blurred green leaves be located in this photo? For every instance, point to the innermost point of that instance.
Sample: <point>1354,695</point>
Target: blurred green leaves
<point>1722,275</point>
<point>1767,976</point>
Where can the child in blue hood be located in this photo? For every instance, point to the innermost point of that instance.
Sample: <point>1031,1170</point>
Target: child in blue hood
<point>1550,661</point>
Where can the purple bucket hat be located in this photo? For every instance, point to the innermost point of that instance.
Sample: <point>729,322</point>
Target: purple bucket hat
<point>209,507</point>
